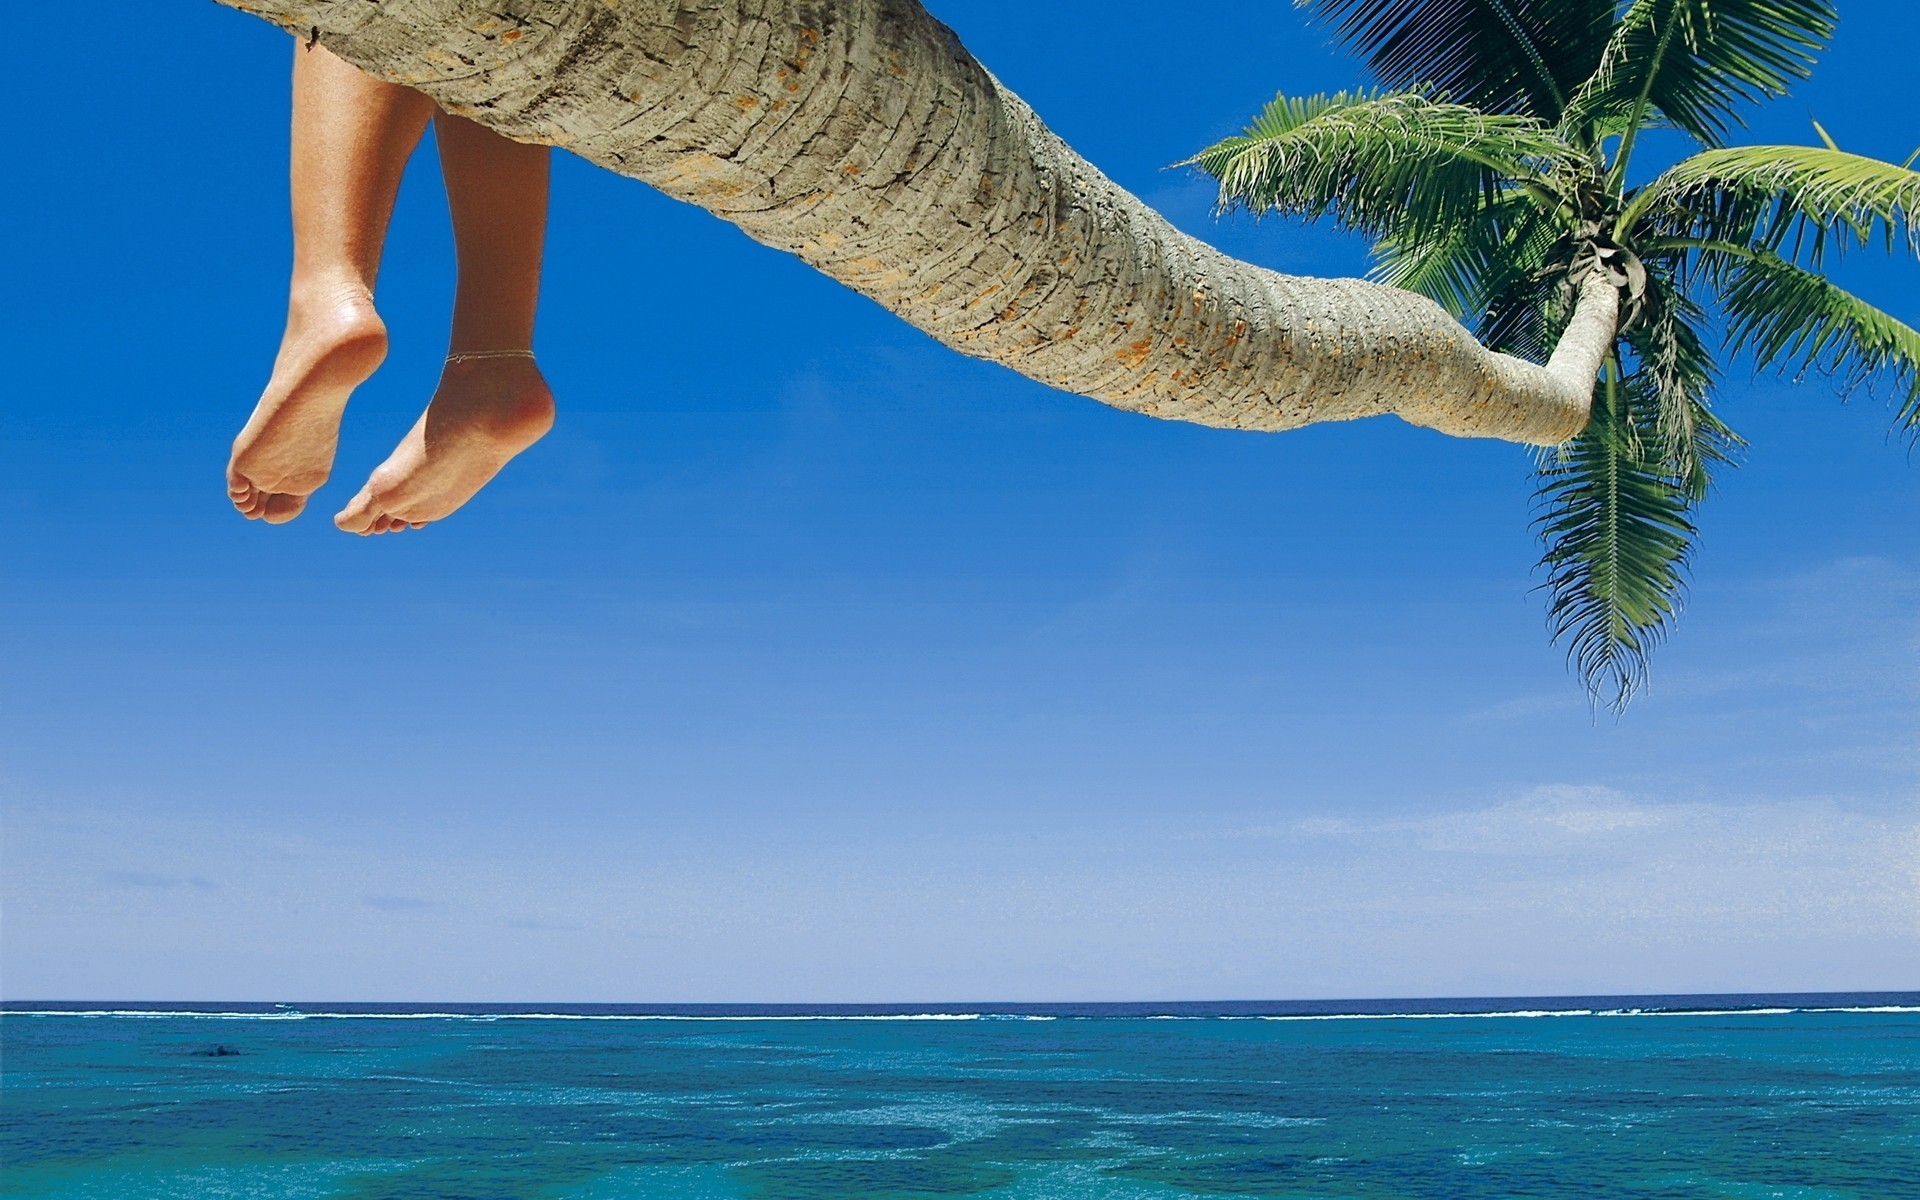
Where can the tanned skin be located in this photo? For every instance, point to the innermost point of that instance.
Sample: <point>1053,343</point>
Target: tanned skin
<point>352,136</point>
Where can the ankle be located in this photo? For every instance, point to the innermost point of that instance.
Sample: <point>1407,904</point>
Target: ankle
<point>483,327</point>
<point>336,301</point>
<point>505,392</point>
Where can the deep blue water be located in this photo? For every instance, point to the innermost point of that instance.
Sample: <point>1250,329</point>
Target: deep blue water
<point>1776,1096</point>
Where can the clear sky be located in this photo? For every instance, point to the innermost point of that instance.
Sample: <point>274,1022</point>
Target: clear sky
<point>808,660</point>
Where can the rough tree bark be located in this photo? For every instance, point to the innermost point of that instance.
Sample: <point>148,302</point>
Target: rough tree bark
<point>861,136</point>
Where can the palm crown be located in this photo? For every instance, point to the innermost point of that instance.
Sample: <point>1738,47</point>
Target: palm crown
<point>1492,171</point>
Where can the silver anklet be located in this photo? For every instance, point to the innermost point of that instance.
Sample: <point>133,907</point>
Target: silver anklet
<point>472,355</point>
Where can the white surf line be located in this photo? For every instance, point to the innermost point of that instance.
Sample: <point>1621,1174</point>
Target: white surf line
<point>178,1014</point>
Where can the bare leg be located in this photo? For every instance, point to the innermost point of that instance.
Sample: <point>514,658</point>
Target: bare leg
<point>352,135</point>
<point>490,407</point>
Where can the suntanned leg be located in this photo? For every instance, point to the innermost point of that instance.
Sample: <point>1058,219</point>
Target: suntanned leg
<point>492,402</point>
<point>352,135</point>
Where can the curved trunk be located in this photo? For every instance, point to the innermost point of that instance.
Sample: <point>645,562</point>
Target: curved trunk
<point>861,136</point>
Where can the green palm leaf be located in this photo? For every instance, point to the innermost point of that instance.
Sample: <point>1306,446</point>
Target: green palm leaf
<point>1671,352</point>
<point>1497,55</point>
<point>1784,313</point>
<point>1496,171</point>
<point>1696,61</point>
<point>1457,268</point>
<point>1618,531</point>
<point>1495,273</point>
<point>1398,163</point>
<point>1776,195</point>
<point>1526,309</point>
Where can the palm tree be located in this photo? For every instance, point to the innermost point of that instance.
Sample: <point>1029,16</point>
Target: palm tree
<point>1495,165</point>
<point>861,136</point>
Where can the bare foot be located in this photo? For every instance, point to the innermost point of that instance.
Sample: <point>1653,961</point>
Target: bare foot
<point>484,412</point>
<point>334,340</point>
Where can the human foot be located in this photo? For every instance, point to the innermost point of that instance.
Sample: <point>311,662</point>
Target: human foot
<point>487,409</point>
<point>334,340</point>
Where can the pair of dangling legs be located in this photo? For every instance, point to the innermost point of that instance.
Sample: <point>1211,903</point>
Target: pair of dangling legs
<point>352,136</point>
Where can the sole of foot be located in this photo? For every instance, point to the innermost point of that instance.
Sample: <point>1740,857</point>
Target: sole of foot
<point>286,450</point>
<point>484,413</point>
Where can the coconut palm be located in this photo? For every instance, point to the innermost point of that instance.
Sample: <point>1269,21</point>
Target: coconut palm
<point>1496,164</point>
<point>861,136</point>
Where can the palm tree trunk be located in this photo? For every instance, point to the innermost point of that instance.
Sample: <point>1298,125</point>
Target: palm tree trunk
<point>860,135</point>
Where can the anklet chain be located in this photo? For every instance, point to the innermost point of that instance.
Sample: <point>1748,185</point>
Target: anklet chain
<point>470,355</point>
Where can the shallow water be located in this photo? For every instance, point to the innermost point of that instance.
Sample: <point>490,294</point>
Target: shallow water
<point>1789,1098</point>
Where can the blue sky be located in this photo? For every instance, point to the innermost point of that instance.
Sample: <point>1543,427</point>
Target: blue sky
<point>807,660</point>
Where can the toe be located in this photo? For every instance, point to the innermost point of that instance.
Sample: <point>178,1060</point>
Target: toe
<point>359,514</point>
<point>282,507</point>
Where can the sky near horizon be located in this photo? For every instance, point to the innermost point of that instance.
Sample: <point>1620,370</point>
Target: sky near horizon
<point>810,661</point>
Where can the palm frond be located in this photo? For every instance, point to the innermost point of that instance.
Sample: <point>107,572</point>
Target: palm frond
<point>1695,62</point>
<point>1454,269</point>
<point>1495,273</point>
<point>1497,55</point>
<point>1381,163</point>
<point>1527,310</point>
<point>1670,350</point>
<point>1796,199</point>
<point>1618,531</point>
<point>1783,313</point>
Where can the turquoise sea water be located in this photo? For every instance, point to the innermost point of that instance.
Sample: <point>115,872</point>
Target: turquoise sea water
<point>1788,1097</point>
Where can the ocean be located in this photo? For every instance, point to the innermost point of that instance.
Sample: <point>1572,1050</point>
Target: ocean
<point>1808,1097</point>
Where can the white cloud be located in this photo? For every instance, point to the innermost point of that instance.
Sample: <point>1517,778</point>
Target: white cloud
<point>1685,879</point>
<point>1564,889</point>
<point>1839,644</point>
<point>1616,867</point>
<point>1848,632</point>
